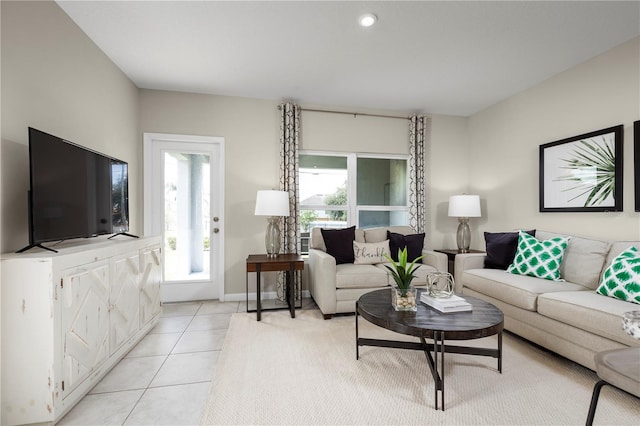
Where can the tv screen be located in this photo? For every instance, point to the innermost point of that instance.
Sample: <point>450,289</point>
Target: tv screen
<point>75,192</point>
<point>119,197</point>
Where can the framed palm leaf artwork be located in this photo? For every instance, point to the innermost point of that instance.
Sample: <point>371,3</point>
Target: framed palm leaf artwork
<point>636,162</point>
<point>582,173</point>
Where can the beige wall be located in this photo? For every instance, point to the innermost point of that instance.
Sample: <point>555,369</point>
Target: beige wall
<point>348,133</point>
<point>250,129</point>
<point>56,80</point>
<point>504,141</point>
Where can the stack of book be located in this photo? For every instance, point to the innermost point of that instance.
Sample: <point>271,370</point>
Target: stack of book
<point>448,304</point>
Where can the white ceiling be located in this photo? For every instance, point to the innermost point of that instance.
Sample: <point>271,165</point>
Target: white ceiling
<point>448,57</point>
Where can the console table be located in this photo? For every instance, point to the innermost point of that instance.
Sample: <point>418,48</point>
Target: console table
<point>69,317</point>
<point>288,263</point>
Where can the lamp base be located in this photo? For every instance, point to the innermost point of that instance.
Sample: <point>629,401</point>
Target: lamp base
<point>463,236</point>
<point>272,237</point>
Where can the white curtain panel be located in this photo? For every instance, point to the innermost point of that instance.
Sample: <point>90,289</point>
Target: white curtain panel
<point>417,129</point>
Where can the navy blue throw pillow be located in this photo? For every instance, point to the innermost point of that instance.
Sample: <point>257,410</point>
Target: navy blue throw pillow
<point>339,243</point>
<point>413,243</point>
<point>501,248</point>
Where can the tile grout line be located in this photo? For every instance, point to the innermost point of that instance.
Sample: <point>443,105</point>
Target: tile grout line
<point>161,365</point>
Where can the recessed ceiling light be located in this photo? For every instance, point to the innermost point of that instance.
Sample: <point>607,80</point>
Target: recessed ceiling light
<point>368,19</point>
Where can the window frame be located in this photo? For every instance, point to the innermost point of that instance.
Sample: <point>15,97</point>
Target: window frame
<point>353,208</point>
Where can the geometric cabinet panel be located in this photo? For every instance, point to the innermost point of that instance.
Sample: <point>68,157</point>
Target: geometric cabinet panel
<point>68,318</point>
<point>124,298</point>
<point>150,284</point>
<point>85,321</point>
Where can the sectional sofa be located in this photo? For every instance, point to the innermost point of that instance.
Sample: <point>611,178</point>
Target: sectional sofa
<point>568,317</point>
<point>336,285</point>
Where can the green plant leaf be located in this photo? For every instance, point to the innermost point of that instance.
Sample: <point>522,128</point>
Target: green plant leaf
<point>402,274</point>
<point>597,155</point>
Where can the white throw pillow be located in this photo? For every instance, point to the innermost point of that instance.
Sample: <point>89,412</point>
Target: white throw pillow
<point>370,253</point>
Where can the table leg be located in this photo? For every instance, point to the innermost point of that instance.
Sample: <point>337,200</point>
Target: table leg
<point>258,304</point>
<point>246,285</point>
<point>500,352</point>
<point>436,364</point>
<point>357,346</point>
<point>441,369</point>
<point>292,290</point>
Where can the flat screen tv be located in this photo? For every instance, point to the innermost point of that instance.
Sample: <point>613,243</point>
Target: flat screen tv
<point>75,192</point>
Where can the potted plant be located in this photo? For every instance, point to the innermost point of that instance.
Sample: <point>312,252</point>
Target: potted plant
<point>403,294</point>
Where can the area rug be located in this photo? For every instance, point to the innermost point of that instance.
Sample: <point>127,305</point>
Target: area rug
<point>304,371</point>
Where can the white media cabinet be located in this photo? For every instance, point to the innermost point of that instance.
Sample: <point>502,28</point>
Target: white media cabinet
<point>69,317</point>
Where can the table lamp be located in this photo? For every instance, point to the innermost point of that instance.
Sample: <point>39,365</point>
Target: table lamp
<point>274,204</point>
<point>463,207</point>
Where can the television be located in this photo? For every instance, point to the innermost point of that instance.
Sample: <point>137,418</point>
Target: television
<point>74,192</point>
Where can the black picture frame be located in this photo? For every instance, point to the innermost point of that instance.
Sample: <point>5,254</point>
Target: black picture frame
<point>583,173</point>
<point>636,162</point>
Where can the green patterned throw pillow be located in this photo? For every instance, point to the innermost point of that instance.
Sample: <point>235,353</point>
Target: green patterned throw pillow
<point>537,258</point>
<point>621,279</point>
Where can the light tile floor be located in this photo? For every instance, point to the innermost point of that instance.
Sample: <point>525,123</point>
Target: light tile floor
<point>165,378</point>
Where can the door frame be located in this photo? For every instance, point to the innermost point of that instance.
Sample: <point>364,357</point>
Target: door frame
<point>217,175</point>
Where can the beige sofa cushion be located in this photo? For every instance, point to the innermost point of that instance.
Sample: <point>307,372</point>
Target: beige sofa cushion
<point>617,248</point>
<point>517,290</point>
<point>583,260</point>
<point>588,311</point>
<point>349,275</point>
<point>375,235</point>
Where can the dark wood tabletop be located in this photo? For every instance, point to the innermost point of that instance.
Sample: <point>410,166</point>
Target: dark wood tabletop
<point>484,320</point>
<point>281,262</point>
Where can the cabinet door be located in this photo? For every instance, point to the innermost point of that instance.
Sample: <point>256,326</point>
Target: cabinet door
<point>85,321</point>
<point>150,284</point>
<point>124,298</point>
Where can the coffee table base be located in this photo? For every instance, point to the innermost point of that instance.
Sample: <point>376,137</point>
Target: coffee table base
<point>438,348</point>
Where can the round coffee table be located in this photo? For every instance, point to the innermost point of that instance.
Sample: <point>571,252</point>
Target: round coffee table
<point>428,323</point>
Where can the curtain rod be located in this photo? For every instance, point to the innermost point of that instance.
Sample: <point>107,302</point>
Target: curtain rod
<point>355,114</point>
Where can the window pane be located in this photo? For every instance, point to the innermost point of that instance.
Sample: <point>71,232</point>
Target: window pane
<point>382,182</point>
<point>186,228</point>
<point>323,180</point>
<point>372,219</point>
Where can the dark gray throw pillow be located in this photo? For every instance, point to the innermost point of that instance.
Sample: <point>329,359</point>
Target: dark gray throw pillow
<point>339,243</point>
<point>501,248</point>
<point>413,243</point>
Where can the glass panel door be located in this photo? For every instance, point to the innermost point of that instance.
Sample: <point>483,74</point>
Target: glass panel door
<point>184,183</point>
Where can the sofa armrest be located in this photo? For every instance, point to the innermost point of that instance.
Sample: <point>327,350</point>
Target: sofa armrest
<point>464,262</point>
<point>435,259</point>
<point>322,280</point>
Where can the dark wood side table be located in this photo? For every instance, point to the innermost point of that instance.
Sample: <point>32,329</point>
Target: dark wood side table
<point>451,255</point>
<point>288,263</point>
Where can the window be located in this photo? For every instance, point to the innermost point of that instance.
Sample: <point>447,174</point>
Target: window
<point>341,190</point>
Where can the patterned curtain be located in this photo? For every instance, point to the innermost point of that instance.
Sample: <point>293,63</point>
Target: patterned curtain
<point>289,143</point>
<point>417,127</point>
